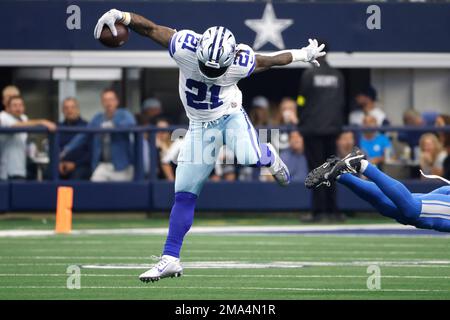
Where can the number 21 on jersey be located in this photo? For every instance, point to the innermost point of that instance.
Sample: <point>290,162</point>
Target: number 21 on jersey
<point>196,98</point>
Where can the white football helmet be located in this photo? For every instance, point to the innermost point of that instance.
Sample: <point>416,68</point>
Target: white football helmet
<point>215,52</point>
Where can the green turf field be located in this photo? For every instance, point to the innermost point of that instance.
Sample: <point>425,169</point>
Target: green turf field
<point>334,267</point>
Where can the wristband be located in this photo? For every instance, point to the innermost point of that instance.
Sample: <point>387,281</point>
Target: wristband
<point>126,18</point>
<point>299,55</point>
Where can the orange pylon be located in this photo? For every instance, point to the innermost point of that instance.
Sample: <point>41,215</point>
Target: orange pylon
<point>64,210</point>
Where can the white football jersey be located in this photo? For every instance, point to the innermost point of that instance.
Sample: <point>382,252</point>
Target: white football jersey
<point>205,99</point>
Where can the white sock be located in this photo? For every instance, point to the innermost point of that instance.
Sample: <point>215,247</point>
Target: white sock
<point>170,258</point>
<point>364,164</point>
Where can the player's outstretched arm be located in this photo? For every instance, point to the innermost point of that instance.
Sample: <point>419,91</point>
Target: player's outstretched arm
<point>137,23</point>
<point>285,57</point>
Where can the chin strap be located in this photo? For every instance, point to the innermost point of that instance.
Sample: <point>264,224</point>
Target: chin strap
<point>432,176</point>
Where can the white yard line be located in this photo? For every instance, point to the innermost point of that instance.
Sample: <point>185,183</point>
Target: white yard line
<point>224,262</point>
<point>227,276</point>
<point>146,266</point>
<point>275,264</point>
<point>312,250</point>
<point>192,260</point>
<point>230,288</point>
<point>274,242</point>
<point>212,230</point>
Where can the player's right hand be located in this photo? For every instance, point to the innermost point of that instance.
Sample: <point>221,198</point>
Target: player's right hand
<point>109,18</point>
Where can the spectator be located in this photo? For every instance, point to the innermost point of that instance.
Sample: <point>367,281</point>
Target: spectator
<point>77,164</point>
<point>168,150</point>
<point>443,120</point>
<point>447,163</point>
<point>411,118</point>
<point>294,157</point>
<point>288,117</point>
<point>366,101</point>
<point>288,111</point>
<point>374,144</point>
<point>259,112</point>
<point>345,143</point>
<point>151,109</point>
<point>7,93</point>
<point>13,147</point>
<point>322,101</point>
<point>260,117</point>
<point>432,155</point>
<point>225,169</point>
<point>444,137</point>
<point>111,158</point>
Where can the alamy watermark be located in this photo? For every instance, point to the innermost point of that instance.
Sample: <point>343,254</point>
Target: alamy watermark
<point>212,146</point>
<point>373,22</point>
<point>73,21</point>
<point>74,277</point>
<point>374,279</point>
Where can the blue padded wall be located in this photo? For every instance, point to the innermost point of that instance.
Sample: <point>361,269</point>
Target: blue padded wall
<point>41,196</point>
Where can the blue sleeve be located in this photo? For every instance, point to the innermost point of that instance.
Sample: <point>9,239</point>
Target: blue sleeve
<point>124,119</point>
<point>82,138</point>
<point>76,142</point>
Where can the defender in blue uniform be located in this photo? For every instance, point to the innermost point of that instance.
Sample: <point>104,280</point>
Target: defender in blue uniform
<point>389,196</point>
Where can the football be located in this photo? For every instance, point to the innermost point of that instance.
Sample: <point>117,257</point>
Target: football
<point>108,40</point>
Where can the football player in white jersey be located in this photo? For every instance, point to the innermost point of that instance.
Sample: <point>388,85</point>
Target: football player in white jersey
<point>211,64</point>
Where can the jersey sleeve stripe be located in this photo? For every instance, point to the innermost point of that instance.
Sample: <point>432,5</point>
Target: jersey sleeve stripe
<point>172,47</point>
<point>252,67</point>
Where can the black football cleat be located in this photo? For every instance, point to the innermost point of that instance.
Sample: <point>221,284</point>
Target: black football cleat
<point>351,163</point>
<point>318,176</point>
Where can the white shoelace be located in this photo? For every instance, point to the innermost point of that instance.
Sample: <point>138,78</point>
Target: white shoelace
<point>162,261</point>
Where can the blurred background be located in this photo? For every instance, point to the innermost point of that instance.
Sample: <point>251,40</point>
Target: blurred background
<point>384,86</point>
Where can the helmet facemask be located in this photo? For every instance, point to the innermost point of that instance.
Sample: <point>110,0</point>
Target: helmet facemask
<point>211,72</point>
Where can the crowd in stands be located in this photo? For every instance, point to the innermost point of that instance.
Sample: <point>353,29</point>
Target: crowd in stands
<point>110,156</point>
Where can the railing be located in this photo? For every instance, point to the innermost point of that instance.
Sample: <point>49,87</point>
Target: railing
<point>138,133</point>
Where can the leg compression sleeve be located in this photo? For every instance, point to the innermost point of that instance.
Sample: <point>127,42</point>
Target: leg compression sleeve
<point>369,191</point>
<point>181,218</point>
<point>408,205</point>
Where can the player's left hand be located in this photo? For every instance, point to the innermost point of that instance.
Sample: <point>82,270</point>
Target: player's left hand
<point>109,18</point>
<point>314,51</point>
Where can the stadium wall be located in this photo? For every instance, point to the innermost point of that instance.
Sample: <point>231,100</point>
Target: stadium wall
<point>352,44</point>
<point>158,196</point>
<point>406,21</point>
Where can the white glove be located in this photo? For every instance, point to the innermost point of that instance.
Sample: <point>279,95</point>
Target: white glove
<point>314,51</point>
<point>110,18</point>
<point>309,53</point>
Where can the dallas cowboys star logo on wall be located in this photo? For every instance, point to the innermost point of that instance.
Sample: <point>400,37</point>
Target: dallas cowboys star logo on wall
<point>268,29</point>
